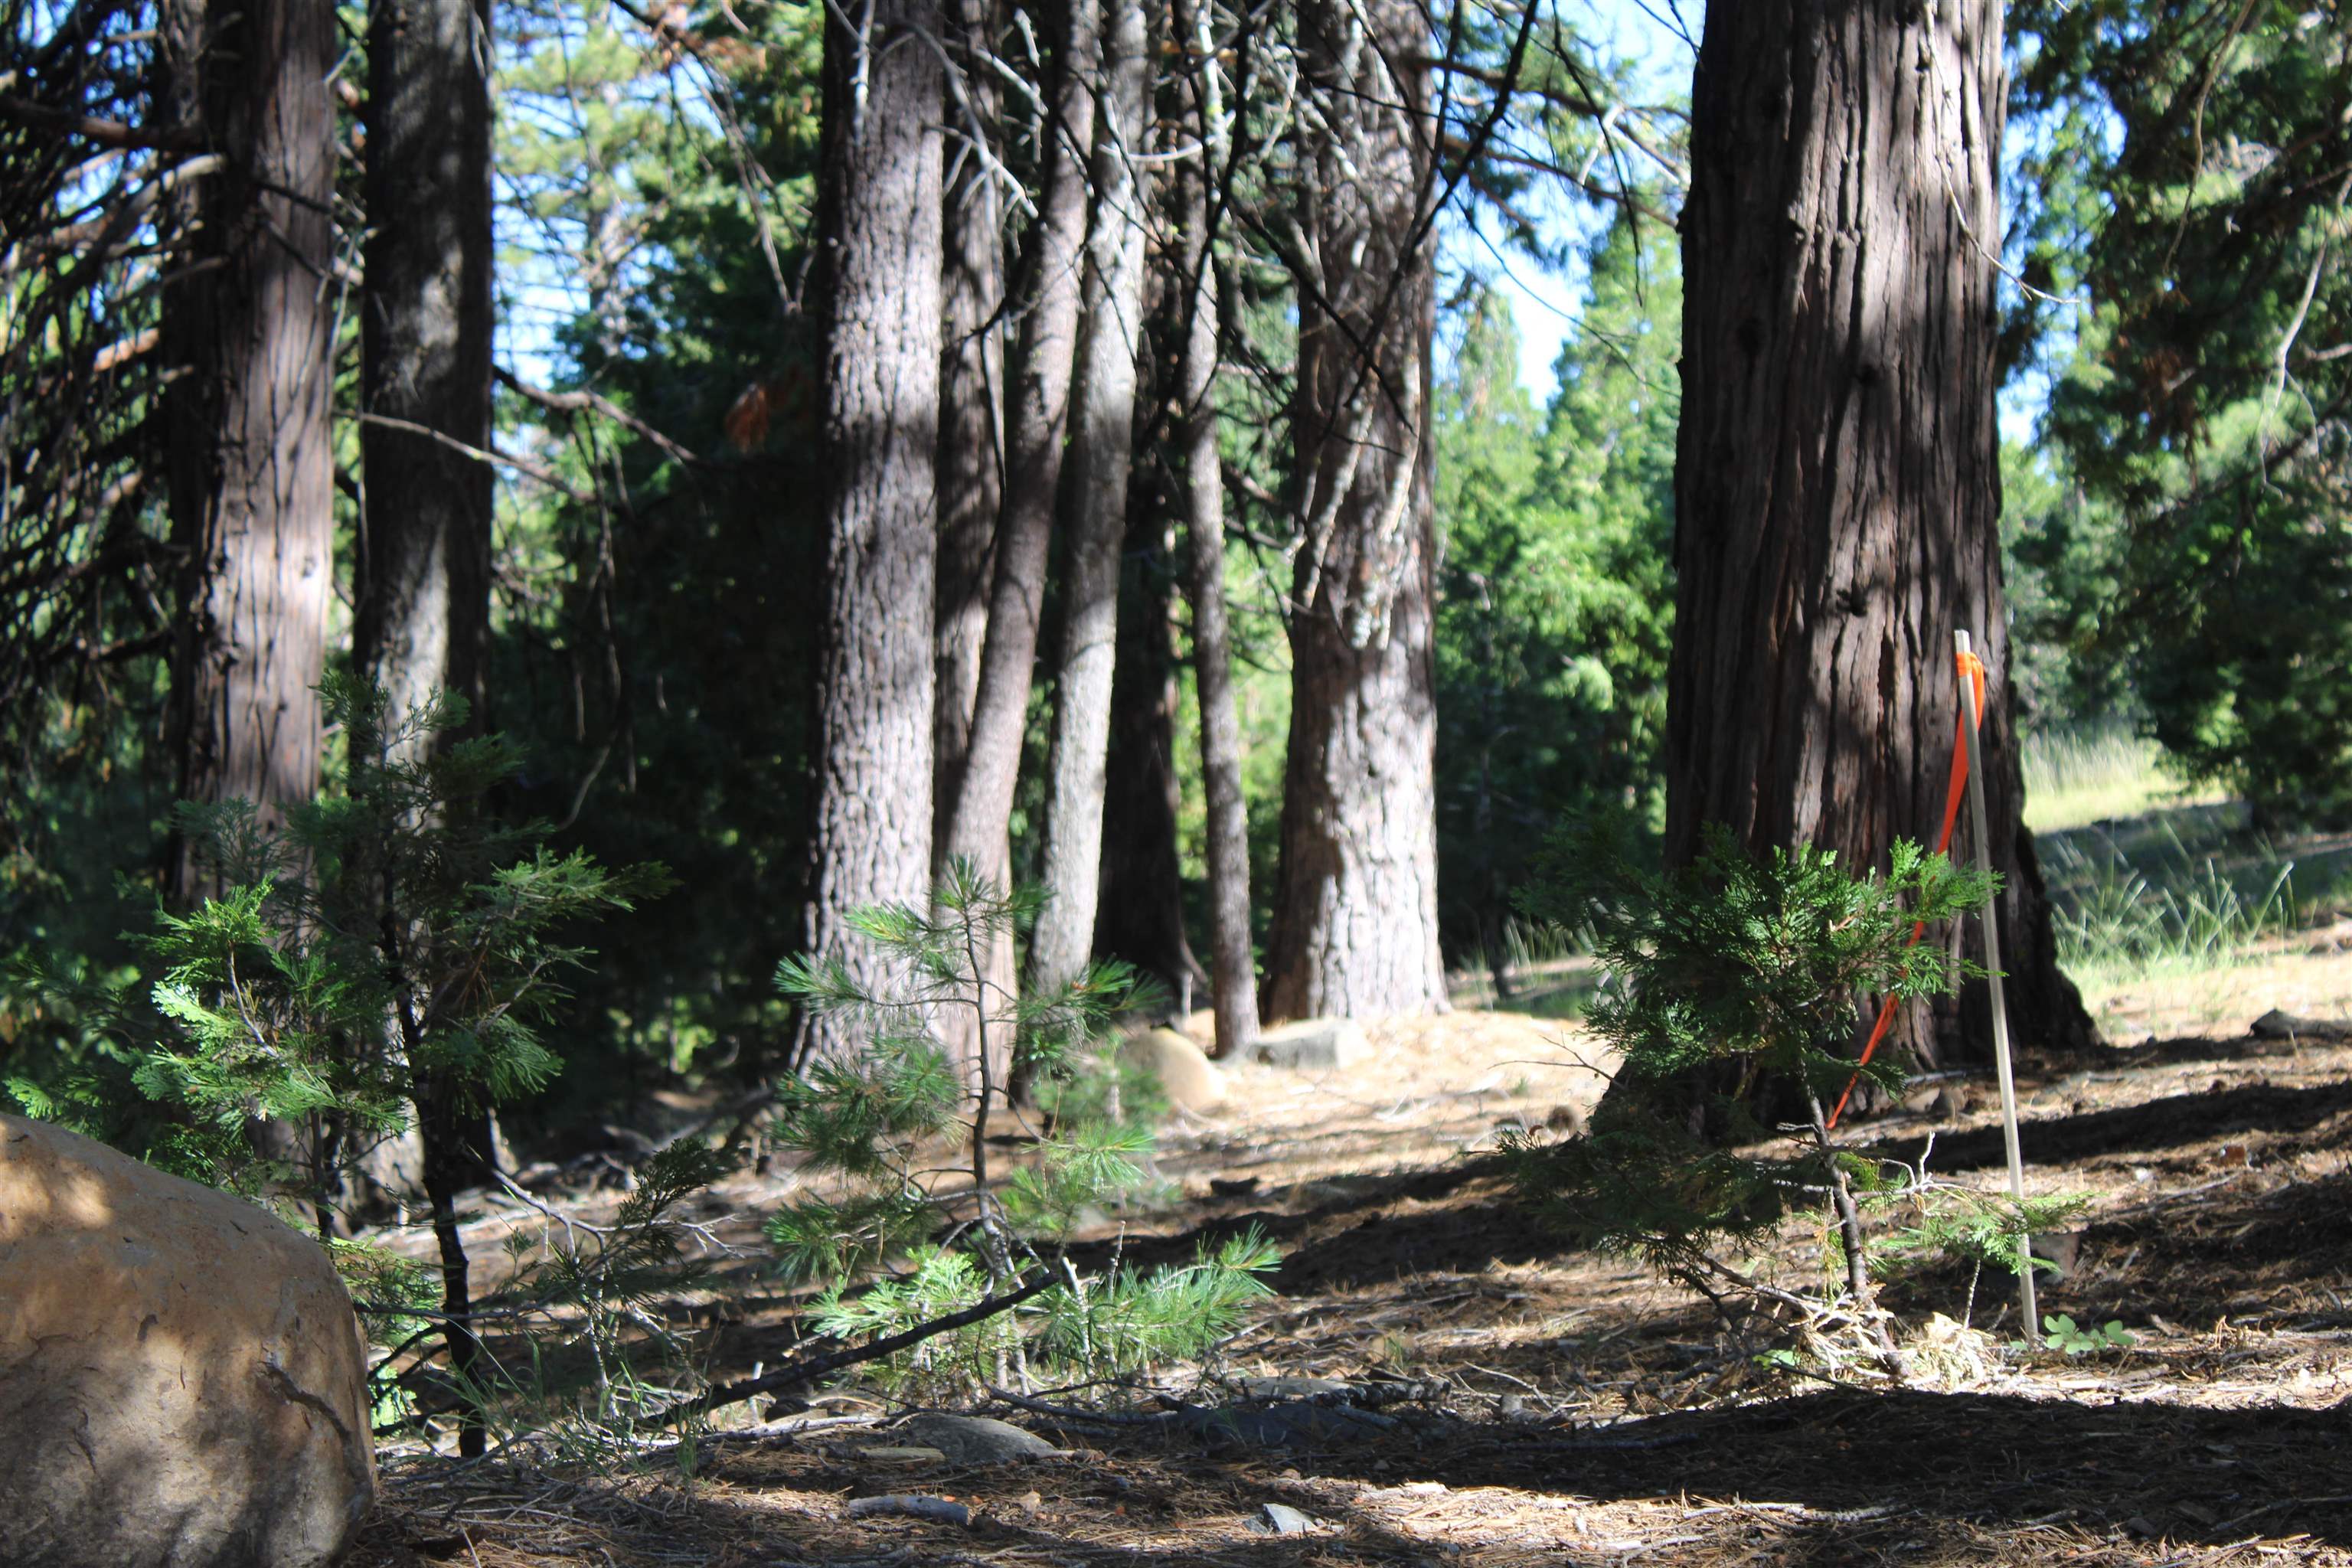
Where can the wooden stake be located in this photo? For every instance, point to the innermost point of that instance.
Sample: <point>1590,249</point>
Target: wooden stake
<point>1969,738</point>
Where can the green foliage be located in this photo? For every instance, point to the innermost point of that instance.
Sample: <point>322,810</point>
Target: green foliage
<point>1724,976</point>
<point>391,933</point>
<point>1984,1228</point>
<point>1555,602</point>
<point>2187,538</point>
<point>898,1244</point>
<point>2061,1333</point>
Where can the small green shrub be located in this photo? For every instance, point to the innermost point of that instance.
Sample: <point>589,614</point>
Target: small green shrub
<point>899,1245</point>
<point>1725,978</point>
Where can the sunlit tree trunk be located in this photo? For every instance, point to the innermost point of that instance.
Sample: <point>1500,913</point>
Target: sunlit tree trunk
<point>878,231</point>
<point>970,462</point>
<point>1233,960</point>
<point>1102,444</point>
<point>1837,483</point>
<point>1355,911</point>
<point>1036,421</point>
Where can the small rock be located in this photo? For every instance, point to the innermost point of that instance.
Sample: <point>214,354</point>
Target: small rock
<point>977,1439</point>
<point>1189,1079</point>
<point>1314,1043</point>
<point>2062,1248</point>
<point>1281,1519</point>
<point>1567,1120</point>
<point>908,1506</point>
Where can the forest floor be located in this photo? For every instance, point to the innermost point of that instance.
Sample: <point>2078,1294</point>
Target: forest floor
<point>1574,1409</point>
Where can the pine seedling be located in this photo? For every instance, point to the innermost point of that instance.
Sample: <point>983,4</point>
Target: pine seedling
<point>896,1246</point>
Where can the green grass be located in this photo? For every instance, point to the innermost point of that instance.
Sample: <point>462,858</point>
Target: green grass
<point>2103,773</point>
<point>2122,926</point>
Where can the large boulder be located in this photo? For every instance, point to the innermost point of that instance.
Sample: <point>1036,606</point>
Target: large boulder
<point>1189,1079</point>
<point>182,1382</point>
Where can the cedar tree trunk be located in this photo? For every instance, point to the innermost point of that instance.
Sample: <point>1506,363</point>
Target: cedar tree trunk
<point>1355,911</point>
<point>879,251</point>
<point>1837,487</point>
<point>248,326</point>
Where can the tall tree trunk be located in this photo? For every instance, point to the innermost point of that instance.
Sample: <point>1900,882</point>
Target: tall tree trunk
<point>1102,444</point>
<point>249,321</point>
<point>1036,422</point>
<point>1836,485</point>
<point>1038,419</point>
<point>879,249</point>
<point>423,613</point>
<point>1355,911</point>
<point>970,463</point>
<point>1140,915</point>
<point>1232,965</point>
<point>424,583</point>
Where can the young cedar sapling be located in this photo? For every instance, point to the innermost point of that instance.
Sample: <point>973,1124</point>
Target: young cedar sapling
<point>1726,979</point>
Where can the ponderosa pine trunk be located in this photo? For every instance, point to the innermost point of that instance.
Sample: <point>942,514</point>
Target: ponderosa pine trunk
<point>1140,915</point>
<point>1102,446</point>
<point>980,817</point>
<point>971,464</point>
<point>1233,964</point>
<point>247,328</point>
<point>1355,911</point>
<point>1837,486</point>
<point>1036,421</point>
<point>423,613</point>
<point>878,235</point>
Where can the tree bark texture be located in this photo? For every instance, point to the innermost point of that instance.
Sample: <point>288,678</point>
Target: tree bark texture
<point>249,321</point>
<point>423,614</point>
<point>970,463</point>
<point>1232,965</point>
<point>1837,483</point>
<point>1102,446</point>
<point>879,239</point>
<point>1140,915</point>
<point>1355,912</point>
<point>1037,420</point>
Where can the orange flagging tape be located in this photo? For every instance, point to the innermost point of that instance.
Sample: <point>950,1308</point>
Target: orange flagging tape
<point>1973,670</point>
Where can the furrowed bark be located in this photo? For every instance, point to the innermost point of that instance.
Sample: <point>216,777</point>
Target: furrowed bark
<point>252,462</point>
<point>879,237</point>
<point>1837,481</point>
<point>1355,913</point>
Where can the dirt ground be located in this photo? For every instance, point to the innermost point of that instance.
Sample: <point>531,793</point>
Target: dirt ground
<point>1570,1408</point>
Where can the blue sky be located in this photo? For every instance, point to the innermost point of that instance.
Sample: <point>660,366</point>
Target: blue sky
<point>1544,302</point>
